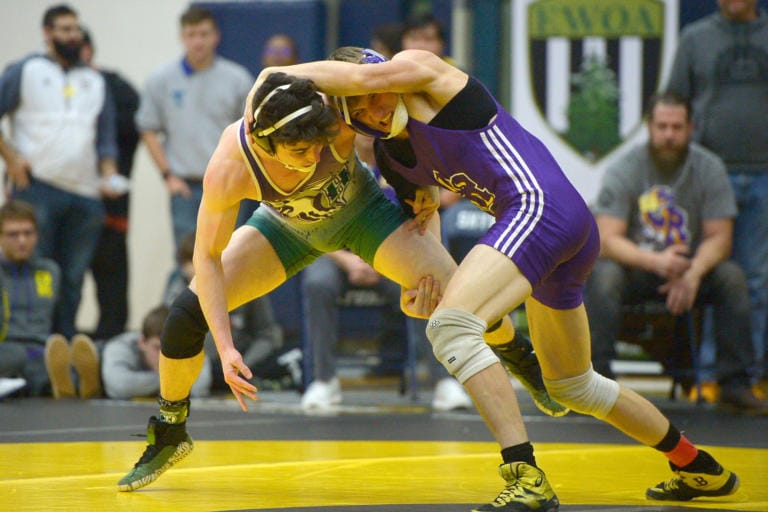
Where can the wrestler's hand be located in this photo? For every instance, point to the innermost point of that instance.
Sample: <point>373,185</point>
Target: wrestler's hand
<point>424,205</point>
<point>421,302</point>
<point>233,366</point>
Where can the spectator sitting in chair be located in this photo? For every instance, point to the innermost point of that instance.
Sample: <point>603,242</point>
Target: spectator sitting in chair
<point>130,367</point>
<point>30,314</point>
<point>665,214</point>
<point>32,352</point>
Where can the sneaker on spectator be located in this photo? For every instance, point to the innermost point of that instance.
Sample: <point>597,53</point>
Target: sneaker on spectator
<point>9,386</point>
<point>761,389</point>
<point>85,359</point>
<point>742,399</point>
<point>57,362</point>
<point>450,395</point>
<point>710,392</point>
<point>322,395</point>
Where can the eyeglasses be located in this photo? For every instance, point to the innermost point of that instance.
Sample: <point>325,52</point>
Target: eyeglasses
<point>18,233</point>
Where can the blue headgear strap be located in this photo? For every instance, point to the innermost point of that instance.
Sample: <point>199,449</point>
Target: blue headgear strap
<point>369,57</point>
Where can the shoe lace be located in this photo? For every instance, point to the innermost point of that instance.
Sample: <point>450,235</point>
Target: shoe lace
<point>672,485</point>
<point>511,492</point>
<point>149,454</point>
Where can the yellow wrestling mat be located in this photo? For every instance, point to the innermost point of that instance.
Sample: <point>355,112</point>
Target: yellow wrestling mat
<point>275,475</point>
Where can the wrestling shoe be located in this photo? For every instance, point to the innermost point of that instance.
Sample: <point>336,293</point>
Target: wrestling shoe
<point>520,360</point>
<point>686,485</point>
<point>167,445</point>
<point>527,489</point>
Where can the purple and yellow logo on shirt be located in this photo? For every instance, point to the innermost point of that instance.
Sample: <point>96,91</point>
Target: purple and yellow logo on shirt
<point>663,221</point>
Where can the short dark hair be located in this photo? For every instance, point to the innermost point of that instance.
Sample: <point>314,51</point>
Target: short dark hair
<point>16,209</point>
<point>319,125</point>
<point>423,20</point>
<point>353,54</point>
<point>56,11</point>
<point>667,98</point>
<point>390,35</point>
<point>196,14</point>
<point>154,321</point>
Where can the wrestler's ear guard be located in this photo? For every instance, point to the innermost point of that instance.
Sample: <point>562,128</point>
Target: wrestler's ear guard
<point>263,142</point>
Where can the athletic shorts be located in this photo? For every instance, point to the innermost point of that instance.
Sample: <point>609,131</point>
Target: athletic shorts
<point>359,226</point>
<point>557,253</point>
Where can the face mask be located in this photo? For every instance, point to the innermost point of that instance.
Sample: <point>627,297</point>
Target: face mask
<point>69,52</point>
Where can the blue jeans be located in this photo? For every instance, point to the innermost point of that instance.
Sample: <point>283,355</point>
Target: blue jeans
<point>611,285</point>
<point>750,251</point>
<point>184,211</point>
<point>69,226</point>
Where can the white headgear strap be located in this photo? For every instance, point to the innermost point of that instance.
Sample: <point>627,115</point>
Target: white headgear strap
<point>285,120</point>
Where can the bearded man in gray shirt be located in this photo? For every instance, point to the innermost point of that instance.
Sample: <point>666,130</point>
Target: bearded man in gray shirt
<point>665,215</point>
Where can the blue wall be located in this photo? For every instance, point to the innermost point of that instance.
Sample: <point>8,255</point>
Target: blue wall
<point>691,10</point>
<point>246,26</point>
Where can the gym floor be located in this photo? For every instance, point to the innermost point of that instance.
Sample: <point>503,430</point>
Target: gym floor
<point>379,451</point>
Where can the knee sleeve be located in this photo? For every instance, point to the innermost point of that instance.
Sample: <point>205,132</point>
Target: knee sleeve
<point>457,341</point>
<point>588,393</point>
<point>185,329</point>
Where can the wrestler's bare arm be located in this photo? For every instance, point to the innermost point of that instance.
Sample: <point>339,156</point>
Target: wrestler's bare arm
<point>410,71</point>
<point>215,223</point>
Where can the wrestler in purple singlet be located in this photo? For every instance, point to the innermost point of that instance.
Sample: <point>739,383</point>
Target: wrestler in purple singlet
<point>542,222</point>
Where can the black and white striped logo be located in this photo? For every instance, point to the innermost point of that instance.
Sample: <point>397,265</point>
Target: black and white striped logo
<point>593,65</point>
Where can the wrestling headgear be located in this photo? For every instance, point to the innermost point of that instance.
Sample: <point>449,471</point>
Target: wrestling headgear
<point>399,116</point>
<point>260,136</point>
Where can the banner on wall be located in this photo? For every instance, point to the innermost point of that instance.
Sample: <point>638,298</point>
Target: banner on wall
<point>582,71</point>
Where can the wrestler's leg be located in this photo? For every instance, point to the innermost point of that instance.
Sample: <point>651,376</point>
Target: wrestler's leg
<point>486,286</point>
<point>561,339</point>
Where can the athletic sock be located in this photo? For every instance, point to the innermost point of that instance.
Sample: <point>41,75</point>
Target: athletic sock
<point>677,448</point>
<point>520,452</point>
<point>173,412</point>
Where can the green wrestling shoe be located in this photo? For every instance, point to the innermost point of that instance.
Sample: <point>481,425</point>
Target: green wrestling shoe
<point>167,445</point>
<point>527,489</point>
<point>520,360</point>
<point>685,485</point>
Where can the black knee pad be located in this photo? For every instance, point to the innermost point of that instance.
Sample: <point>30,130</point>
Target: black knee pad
<point>185,329</point>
